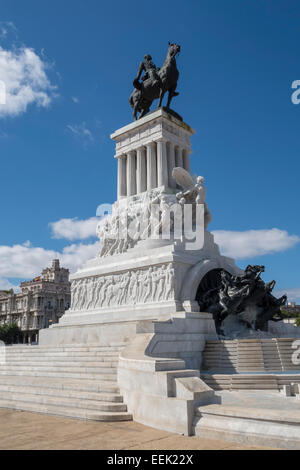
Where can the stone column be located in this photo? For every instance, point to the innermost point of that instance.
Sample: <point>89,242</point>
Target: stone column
<point>131,173</point>
<point>186,160</point>
<point>162,164</point>
<point>122,177</point>
<point>171,164</point>
<point>178,157</point>
<point>151,166</point>
<point>141,172</point>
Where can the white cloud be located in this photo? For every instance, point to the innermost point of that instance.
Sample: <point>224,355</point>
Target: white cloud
<point>74,256</point>
<point>26,261</point>
<point>81,132</point>
<point>26,82</point>
<point>74,229</point>
<point>75,99</point>
<point>253,243</point>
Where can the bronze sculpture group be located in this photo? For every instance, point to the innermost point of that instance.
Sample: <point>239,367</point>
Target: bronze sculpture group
<point>247,297</point>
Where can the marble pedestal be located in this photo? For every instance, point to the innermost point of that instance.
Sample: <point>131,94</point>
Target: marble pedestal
<point>150,282</point>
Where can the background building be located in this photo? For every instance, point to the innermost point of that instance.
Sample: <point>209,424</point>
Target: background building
<point>292,309</point>
<point>40,303</point>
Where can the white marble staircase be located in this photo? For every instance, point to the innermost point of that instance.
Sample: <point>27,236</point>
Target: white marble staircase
<point>73,381</point>
<point>249,364</point>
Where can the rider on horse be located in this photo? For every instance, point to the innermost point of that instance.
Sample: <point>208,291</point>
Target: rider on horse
<point>150,69</point>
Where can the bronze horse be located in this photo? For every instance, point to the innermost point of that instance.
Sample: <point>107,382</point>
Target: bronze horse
<point>149,90</point>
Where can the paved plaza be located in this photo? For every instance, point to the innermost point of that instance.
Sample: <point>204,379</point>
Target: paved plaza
<point>32,431</point>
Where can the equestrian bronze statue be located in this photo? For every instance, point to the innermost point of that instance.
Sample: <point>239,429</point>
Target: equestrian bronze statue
<point>155,82</point>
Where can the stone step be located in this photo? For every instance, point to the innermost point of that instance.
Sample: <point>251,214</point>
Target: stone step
<point>74,375</point>
<point>62,353</point>
<point>74,348</point>
<point>255,379</point>
<point>57,410</point>
<point>59,368</point>
<point>225,362</point>
<point>61,383</point>
<point>70,402</point>
<point>249,382</point>
<point>75,353</point>
<point>44,364</point>
<point>67,393</point>
<point>254,386</point>
<point>67,347</point>
<point>67,357</point>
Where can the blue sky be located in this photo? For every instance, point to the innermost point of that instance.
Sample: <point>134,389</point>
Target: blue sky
<point>72,64</point>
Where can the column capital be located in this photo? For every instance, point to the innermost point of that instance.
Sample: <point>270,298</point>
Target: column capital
<point>162,139</point>
<point>150,144</point>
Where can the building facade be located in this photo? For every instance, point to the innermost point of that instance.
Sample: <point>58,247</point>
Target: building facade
<point>292,309</point>
<point>39,304</point>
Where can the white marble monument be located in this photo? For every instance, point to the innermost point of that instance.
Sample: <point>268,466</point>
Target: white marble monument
<point>147,275</point>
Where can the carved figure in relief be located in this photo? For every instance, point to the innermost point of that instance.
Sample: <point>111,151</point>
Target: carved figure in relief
<point>170,282</point>
<point>148,284</point>
<point>161,283</point>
